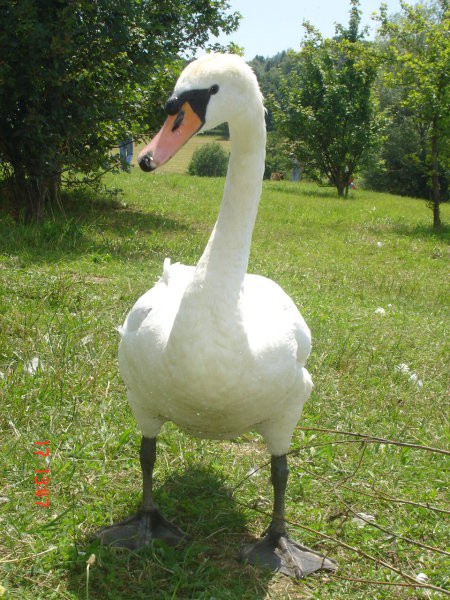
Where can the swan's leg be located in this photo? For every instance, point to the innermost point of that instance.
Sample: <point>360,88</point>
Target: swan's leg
<point>148,524</point>
<point>276,550</point>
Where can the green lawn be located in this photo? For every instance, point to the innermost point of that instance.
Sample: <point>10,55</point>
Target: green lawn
<point>67,285</point>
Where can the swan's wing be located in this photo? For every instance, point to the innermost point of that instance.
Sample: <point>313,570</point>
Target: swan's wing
<point>303,339</point>
<point>272,319</point>
<point>165,294</point>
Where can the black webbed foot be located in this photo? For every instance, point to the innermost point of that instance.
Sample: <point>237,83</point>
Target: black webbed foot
<point>140,530</point>
<point>280,553</point>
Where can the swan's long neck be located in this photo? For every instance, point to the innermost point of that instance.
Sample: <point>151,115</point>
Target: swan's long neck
<point>223,264</point>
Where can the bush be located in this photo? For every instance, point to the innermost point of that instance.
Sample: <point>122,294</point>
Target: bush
<point>210,160</point>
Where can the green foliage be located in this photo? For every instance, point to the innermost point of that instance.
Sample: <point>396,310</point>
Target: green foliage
<point>269,72</point>
<point>326,106</point>
<point>210,160</point>
<point>400,166</point>
<point>417,54</point>
<point>278,158</point>
<point>76,77</point>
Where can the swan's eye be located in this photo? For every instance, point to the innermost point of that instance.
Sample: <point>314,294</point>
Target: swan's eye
<point>213,89</point>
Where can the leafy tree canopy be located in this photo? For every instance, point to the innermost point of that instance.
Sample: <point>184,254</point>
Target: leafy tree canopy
<point>326,106</point>
<point>270,72</point>
<point>416,45</point>
<point>76,75</point>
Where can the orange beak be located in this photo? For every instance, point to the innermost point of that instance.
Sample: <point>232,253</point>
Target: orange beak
<point>175,132</point>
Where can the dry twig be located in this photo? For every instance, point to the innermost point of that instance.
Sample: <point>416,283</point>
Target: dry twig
<point>364,439</point>
<point>370,439</point>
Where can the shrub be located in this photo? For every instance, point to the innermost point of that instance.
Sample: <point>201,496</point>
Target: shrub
<point>210,160</point>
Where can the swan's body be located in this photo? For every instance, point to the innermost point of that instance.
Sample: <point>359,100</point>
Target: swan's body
<point>216,368</point>
<point>211,348</point>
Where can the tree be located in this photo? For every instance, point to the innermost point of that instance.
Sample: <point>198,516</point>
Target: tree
<point>269,72</point>
<point>326,107</point>
<point>418,55</point>
<point>400,165</point>
<point>75,75</point>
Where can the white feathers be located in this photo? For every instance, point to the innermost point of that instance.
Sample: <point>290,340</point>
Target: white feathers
<point>31,366</point>
<point>211,348</point>
<point>404,369</point>
<point>166,269</point>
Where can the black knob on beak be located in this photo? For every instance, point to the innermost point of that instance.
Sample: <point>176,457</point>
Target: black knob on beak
<point>146,163</point>
<point>173,105</point>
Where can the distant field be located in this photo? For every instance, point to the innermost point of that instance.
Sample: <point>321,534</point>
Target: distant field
<point>371,280</point>
<point>180,162</point>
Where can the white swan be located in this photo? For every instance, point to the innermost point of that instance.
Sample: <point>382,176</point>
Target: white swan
<point>211,348</point>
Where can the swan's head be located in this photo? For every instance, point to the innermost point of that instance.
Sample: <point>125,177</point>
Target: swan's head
<point>211,90</point>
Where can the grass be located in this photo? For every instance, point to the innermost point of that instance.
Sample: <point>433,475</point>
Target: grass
<point>66,286</point>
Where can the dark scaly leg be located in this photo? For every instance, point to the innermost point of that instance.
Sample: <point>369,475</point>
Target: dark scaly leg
<point>148,524</point>
<point>276,550</point>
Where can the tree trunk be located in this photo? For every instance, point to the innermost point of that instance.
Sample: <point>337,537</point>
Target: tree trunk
<point>35,198</point>
<point>436,199</point>
<point>340,180</point>
<point>30,196</point>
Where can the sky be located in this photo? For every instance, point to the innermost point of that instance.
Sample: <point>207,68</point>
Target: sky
<point>270,26</point>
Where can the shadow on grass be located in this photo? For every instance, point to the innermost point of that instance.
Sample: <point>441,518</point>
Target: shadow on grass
<point>401,228</point>
<point>90,223</point>
<point>422,231</point>
<point>206,567</point>
<point>299,189</point>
